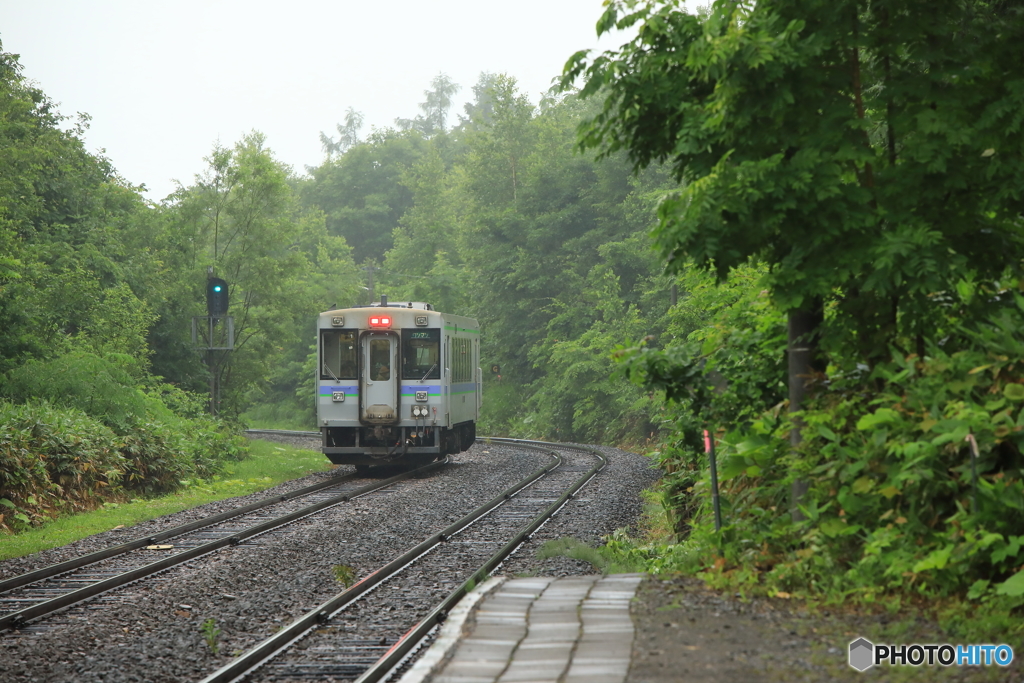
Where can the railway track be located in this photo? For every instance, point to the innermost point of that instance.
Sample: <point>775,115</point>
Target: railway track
<point>40,593</point>
<point>361,632</point>
<point>328,642</point>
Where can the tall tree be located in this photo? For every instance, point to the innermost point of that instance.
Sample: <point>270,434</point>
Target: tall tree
<point>435,108</point>
<point>481,109</point>
<point>240,218</point>
<point>66,279</point>
<point>348,134</point>
<point>425,263</point>
<point>854,147</point>
<point>862,150</point>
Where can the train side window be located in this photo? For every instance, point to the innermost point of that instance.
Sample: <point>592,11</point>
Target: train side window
<point>463,360</point>
<point>421,354</point>
<point>337,354</point>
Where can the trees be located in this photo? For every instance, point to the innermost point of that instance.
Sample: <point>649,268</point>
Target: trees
<point>862,151</point>
<point>434,119</point>
<point>66,281</point>
<point>853,148</point>
<point>867,156</point>
<point>241,219</point>
<point>361,193</point>
<point>480,110</point>
<point>348,134</point>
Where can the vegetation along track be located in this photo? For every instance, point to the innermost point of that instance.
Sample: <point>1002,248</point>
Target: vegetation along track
<point>342,639</point>
<point>36,594</point>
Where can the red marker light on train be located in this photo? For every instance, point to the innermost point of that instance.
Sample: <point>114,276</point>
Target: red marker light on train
<point>380,321</point>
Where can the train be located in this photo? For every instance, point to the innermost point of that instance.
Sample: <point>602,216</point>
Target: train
<point>396,382</point>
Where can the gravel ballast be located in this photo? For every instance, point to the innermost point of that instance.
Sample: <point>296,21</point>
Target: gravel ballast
<point>153,630</point>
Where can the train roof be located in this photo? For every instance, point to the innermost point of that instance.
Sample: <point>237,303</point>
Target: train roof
<point>459,320</point>
<point>383,303</point>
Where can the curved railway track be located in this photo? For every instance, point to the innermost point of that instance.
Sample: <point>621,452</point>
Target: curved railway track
<point>42,592</point>
<point>360,633</point>
<point>469,549</point>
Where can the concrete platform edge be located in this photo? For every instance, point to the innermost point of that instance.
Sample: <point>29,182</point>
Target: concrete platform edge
<point>450,633</point>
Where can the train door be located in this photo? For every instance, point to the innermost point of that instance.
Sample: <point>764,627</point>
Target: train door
<point>379,385</point>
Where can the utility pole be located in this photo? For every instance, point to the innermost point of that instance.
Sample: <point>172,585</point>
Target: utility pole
<point>370,270</point>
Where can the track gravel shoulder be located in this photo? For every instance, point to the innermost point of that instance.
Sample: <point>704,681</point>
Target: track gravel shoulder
<point>612,500</point>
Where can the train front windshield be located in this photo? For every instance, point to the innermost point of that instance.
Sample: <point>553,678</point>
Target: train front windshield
<point>421,354</point>
<point>338,354</point>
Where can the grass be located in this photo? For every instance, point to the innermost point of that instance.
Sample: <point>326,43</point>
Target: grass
<point>576,549</point>
<point>269,465</point>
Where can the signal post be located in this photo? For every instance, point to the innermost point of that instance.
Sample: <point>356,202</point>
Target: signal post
<point>214,332</point>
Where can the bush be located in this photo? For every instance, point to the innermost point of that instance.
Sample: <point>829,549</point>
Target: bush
<point>53,461</point>
<point>57,460</point>
<point>98,386</point>
<point>892,504</point>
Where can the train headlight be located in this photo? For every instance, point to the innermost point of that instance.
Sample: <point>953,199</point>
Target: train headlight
<point>338,396</point>
<point>421,320</point>
<point>338,320</point>
<point>421,396</point>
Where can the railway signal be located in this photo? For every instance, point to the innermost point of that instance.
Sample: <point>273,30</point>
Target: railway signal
<point>214,332</point>
<point>216,297</point>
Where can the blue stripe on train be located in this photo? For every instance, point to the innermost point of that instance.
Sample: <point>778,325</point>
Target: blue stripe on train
<point>411,389</point>
<point>351,390</point>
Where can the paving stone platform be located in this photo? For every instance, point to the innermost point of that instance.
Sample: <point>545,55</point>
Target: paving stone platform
<point>536,630</point>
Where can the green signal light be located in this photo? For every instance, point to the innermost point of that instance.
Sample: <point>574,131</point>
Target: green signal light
<point>216,288</point>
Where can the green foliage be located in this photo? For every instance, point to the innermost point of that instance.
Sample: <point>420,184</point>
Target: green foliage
<point>53,461</point>
<point>579,396</point>
<point>58,460</point>
<point>361,193</point>
<point>891,505</point>
<point>66,279</point>
<point>504,411</point>
<point>606,560</point>
<point>853,148</point>
<point>242,219</point>
<point>344,574</point>
<point>211,634</point>
<point>899,472</point>
<point>99,386</point>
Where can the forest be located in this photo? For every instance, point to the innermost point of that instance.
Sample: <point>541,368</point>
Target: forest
<point>795,226</point>
<point>489,211</point>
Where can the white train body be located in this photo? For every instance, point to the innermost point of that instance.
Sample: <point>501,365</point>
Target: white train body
<point>396,381</point>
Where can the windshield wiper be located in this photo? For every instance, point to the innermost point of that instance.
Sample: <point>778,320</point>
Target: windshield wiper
<point>428,372</point>
<point>328,369</point>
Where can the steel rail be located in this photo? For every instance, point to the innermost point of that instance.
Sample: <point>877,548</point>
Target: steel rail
<point>283,432</point>
<point>106,553</point>
<point>269,648</point>
<point>20,617</point>
<point>408,642</point>
<point>153,539</point>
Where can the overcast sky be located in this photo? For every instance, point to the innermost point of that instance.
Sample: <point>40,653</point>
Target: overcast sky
<point>164,81</point>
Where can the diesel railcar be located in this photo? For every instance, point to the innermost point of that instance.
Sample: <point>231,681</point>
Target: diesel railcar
<point>396,381</point>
